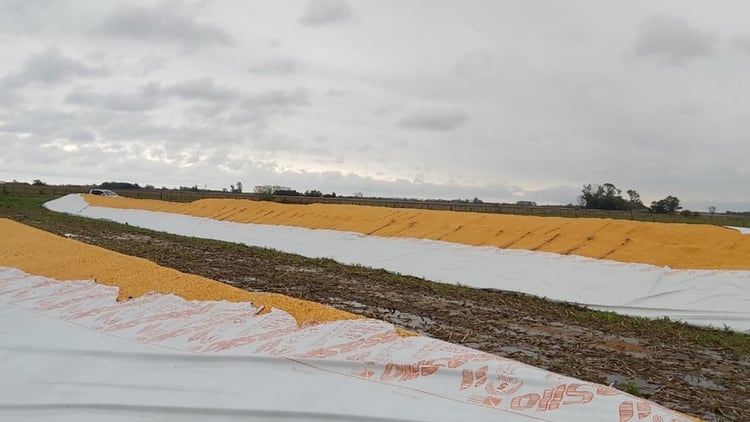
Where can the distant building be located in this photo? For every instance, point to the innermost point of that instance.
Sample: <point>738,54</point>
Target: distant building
<point>526,203</point>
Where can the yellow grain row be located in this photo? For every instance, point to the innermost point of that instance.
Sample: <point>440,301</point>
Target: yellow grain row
<point>681,246</point>
<point>38,252</point>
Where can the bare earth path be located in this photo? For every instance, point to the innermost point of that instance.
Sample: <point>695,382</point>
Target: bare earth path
<point>698,371</point>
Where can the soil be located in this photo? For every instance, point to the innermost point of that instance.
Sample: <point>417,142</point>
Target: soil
<point>698,371</point>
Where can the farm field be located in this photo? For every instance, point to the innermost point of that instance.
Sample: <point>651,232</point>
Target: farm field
<point>699,371</point>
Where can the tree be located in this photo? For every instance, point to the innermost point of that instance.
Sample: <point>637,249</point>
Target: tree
<point>314,193</point>
<point>712,209</point>
<point>237,189</point>
<point>286,192</point>
<point>634,200</point>
<point>263,190</point>
<point>119,185</point>
<point>38,182</point>
<point>602,197</point>
<point>668,205</point>
<point>269,190</point>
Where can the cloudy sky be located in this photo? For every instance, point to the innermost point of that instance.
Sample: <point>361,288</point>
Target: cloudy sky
<point>501,100</point>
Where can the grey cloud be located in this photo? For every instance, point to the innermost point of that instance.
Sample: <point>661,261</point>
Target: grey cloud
<point>203,89</point>
<point>36,121</point>
<point>439,120</point>
<point>178,137</point>
<point>144,99</point>
<point>335,92</point>
<point>205,111</point>
<point>165,23</point>
<point>742,43</point>
<point>49,67</point>
<point>149,95</point>
<point>116,128</point>
<point>673,39</point>
<point>383,110</point>
<point>40,126</point>
<point>81,135</point>
<point>19,13</point>
<point>30,157</point>
<point>9,98</point>
<point>689,110</point>
<point>468,64</point>
<point>325,12</point>
<point>35,16</point>
<point>277,99</point>
<point>275,67</point>
<point>258,106</point>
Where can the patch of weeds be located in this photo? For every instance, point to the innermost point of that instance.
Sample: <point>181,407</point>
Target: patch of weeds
<point>631,388</point>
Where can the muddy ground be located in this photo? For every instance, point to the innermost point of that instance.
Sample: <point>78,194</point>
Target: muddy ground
<point>701,372</point>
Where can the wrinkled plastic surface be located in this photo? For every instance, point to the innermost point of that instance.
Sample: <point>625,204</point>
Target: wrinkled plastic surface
<point>70,352</point>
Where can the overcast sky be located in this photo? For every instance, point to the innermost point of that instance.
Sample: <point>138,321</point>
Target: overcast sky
<point>501,100</point>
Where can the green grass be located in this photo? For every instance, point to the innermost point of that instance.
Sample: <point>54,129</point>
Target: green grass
<point>631,388</point>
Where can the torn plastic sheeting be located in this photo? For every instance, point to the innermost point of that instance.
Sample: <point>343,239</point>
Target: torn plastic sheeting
<point>69,347</point>
<point>715,298</point>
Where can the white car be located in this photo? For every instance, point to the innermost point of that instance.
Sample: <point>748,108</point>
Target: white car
<point>102,192</point>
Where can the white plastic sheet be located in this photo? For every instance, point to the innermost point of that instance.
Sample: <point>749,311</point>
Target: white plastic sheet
<point>70,352</point>
<point>743,230</point>
<point>701,297</point>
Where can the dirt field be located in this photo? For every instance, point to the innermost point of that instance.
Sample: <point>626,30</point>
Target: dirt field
<point>698,371</point>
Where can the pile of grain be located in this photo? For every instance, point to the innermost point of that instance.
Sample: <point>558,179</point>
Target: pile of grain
<point>38,252</point>
<point>680,246</point>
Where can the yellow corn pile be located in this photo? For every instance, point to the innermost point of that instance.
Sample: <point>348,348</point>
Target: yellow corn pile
<point>680,246</point>
<point>38,252</point>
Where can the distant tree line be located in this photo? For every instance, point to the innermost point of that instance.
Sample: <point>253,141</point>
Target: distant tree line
<point>237,189</point>
<point>609,197</point>
<point>119,185</point>
<point>601,197</point>
<point>271,190</point>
